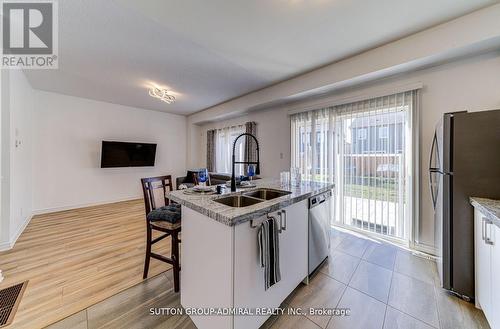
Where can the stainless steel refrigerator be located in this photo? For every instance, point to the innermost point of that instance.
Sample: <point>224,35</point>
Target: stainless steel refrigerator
<point>464,162</point>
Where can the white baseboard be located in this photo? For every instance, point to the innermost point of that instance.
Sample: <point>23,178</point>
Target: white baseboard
<point>82,205</point>
<point>5,246</point>
<point>20,230</point>
<point>10,244</point>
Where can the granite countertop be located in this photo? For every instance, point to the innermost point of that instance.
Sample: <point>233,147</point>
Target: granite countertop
<point>231,216</point>
<point>488,207</point>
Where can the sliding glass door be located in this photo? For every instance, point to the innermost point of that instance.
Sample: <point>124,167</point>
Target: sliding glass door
<point>372,165</point>
<point>366,149</point>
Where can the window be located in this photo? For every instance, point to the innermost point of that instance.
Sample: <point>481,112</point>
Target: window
<point>383,132</point>
<point>366,149</point>
<point>224,139</point>
<point>362,133</point>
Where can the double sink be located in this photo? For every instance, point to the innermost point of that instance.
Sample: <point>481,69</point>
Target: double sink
<point>252,197</point>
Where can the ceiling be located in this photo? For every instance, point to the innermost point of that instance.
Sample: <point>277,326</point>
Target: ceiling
<point>208,52</point>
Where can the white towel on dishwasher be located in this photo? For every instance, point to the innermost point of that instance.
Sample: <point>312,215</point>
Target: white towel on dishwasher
<point>269,251</point>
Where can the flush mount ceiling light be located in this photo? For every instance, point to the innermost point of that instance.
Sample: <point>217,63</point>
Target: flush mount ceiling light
<point>162,94</point>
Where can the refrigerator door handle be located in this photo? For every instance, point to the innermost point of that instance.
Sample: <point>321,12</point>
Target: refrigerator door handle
<point>433,195</point>
<point>434,150</point>
<point>433,170</point>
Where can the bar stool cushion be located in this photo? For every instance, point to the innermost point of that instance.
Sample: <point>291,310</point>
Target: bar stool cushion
<point>170,213</point>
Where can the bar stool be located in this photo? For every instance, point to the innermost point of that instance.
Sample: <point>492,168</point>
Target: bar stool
<point>166,219</point>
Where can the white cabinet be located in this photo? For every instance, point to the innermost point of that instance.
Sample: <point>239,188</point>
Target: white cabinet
<point>482,255</point>
<point>249,289</point>
<point>293,247</point>
<point>487,268</point>
<point>221,266</point>
<point>495,277</point>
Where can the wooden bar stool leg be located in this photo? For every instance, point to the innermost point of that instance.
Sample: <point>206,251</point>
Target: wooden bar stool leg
<point>148,252</point>
<point>175,259</point>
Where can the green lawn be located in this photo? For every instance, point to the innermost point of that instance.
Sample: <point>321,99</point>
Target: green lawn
<point>374,188</point>
<point>387,192</point>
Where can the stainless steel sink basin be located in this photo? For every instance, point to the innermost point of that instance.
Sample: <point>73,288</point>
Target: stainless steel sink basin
<point>238,201</point>
<point>266,194</point>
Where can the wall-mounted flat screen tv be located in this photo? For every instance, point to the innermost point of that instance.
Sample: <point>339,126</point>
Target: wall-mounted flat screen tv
<point>124,154</point>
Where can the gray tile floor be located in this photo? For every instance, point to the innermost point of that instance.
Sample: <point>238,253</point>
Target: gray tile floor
<point>382,285</point>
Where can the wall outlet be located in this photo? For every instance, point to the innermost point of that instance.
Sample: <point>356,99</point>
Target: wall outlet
<point>281,155</point>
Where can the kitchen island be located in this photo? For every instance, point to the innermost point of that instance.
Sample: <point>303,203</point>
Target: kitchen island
<point>221,270</point>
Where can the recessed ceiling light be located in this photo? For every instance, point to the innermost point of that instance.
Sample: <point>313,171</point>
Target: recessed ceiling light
<point>162,94</point>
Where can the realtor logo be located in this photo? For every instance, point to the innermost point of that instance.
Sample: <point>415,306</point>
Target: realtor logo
<point>29,34</point>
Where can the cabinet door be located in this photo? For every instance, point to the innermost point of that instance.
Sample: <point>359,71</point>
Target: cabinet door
<point>483,266</point>
<point>494,235</point>
<point>293,246</point>
<point>248,285</point>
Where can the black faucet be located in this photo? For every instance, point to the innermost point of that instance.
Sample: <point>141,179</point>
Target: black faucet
<point>257,170</point>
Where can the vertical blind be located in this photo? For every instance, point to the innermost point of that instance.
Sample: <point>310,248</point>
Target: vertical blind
<point>313,144</point>
<point>366,149</point>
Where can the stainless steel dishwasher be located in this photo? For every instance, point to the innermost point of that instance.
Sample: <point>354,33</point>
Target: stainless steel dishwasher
<point>319,229</point>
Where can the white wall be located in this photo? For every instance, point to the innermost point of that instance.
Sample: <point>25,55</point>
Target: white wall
<point>17,128</point>
<point>21,116</point>
<point>67,140</point>
<point>472,84</point>
<point>273,133</point>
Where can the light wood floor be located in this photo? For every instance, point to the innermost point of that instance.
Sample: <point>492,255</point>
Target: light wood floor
<point>74,259</point>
